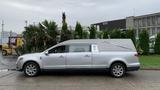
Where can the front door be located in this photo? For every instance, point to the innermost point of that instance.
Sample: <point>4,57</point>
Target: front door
<point>79,56</point>
<point>55,59</point>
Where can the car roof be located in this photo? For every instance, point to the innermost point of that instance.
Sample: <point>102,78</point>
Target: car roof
<point>104,44</point>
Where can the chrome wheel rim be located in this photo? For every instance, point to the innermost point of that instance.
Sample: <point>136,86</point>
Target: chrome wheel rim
<point>118,70</point>
<point>31,69</point>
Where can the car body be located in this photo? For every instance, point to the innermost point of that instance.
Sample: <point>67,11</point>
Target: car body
<point>114,55</point>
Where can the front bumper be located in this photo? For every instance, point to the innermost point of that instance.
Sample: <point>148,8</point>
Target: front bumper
<point>19,66</point>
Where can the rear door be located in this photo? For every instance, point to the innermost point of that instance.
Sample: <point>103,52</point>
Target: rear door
<point>79,56</point>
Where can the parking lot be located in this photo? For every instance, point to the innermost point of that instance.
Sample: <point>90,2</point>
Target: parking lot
<point>13,80</point>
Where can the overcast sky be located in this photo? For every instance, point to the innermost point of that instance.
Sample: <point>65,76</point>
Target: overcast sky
<point>15,12</point>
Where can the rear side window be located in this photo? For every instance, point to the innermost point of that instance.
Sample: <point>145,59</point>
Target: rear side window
<point>79,48</point>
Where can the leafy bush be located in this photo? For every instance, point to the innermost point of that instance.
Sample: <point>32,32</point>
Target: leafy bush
<point>93,32</point>
<point>144,42</point>
<point>157,44</point>
<point>115,34</point>
<point>131,34</point>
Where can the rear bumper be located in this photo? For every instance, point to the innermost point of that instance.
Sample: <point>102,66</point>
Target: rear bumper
<point>134,68</point>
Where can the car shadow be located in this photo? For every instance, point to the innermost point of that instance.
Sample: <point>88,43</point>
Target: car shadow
<point>74,73</point>
<point>82,73</point>
<point>79,73</point>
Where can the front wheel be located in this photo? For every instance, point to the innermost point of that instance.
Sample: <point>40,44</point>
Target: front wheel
<point>31,69</point>
<point>4,52</point>
<point>117,70</point>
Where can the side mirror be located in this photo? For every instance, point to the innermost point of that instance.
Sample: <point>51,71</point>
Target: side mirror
<point>46,53</point>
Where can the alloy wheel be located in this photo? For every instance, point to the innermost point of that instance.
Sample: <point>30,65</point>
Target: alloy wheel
<point>31,69</point>
<point>117,70</point>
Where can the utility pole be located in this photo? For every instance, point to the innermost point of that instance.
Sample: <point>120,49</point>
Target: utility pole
<point>34,23</point>
<point>26,22</point>
<point>2,33</point>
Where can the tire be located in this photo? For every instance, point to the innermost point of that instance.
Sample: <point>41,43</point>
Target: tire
<point>117,70</point>
<point>31,69</point>
<point>4,52</point>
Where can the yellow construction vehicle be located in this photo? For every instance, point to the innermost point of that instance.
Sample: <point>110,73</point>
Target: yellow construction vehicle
<point>11,47</point>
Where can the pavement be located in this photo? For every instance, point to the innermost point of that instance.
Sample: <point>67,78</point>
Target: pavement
<point>14,80</point>
<point>140,80</point>
<point>8,62</point>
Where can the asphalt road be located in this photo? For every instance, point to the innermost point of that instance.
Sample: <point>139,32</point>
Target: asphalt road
<point>140,80</point>
<point>14,80</point>
<point>7,62</point>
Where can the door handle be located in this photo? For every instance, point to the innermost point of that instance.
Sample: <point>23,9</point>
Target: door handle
<point>61,56</point>
<point>87,55</point>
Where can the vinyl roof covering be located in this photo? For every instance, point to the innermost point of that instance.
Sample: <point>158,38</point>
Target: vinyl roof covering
<point>105,44</point>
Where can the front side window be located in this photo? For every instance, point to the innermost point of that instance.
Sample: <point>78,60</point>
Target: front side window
<point>59,49</point>
<point>79,48</point>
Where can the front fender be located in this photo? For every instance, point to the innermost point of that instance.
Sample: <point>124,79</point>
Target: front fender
<point>33,59</point>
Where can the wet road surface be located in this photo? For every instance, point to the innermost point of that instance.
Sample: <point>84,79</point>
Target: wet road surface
<point>140,80</point>
<point>7,62</point>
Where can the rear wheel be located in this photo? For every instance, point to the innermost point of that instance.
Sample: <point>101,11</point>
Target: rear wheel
<point>31,69</point>
<point>117,70</point>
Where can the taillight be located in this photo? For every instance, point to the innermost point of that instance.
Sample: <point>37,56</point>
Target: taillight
<point>136,55</point>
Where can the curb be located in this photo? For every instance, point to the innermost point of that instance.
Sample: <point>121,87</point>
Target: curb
<point>158,69</point>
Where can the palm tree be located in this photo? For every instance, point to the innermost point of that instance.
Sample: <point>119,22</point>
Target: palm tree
<point>41,36</point>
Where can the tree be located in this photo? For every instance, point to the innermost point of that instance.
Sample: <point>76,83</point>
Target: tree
<point>144,42</point>
<point>65,33</point>
<point>50,33</point>
<point>123,34</point>
<point>115,34</point>
<point>105,35</point>
<point>31,36</point>
<point>131,34</point>
<point>85,34</point>
<point>93,32</point>
<point>38,38</point>
<point>157,44</point>
<point>100,34</point>
<point>78,31</point>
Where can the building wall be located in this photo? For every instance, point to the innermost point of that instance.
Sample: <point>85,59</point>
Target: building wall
<point>110,25</point>
<point>130,22</point>
<point>150,22</point>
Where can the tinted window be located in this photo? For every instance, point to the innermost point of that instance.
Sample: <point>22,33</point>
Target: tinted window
<point>59,49</point>
<point>79,48</point>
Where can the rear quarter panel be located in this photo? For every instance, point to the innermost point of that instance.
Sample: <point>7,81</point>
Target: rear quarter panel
<point>105,59</point>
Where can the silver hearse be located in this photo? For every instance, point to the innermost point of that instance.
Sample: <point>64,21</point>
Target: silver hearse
<point>114,55</point>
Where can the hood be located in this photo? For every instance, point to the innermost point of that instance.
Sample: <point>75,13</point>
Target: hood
<point>31,55</point>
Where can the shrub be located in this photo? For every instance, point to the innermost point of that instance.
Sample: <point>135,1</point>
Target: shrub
<point>157,44</point>
<point>144,42</point>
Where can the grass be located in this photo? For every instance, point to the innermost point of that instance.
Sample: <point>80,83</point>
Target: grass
<point>151,61</point>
